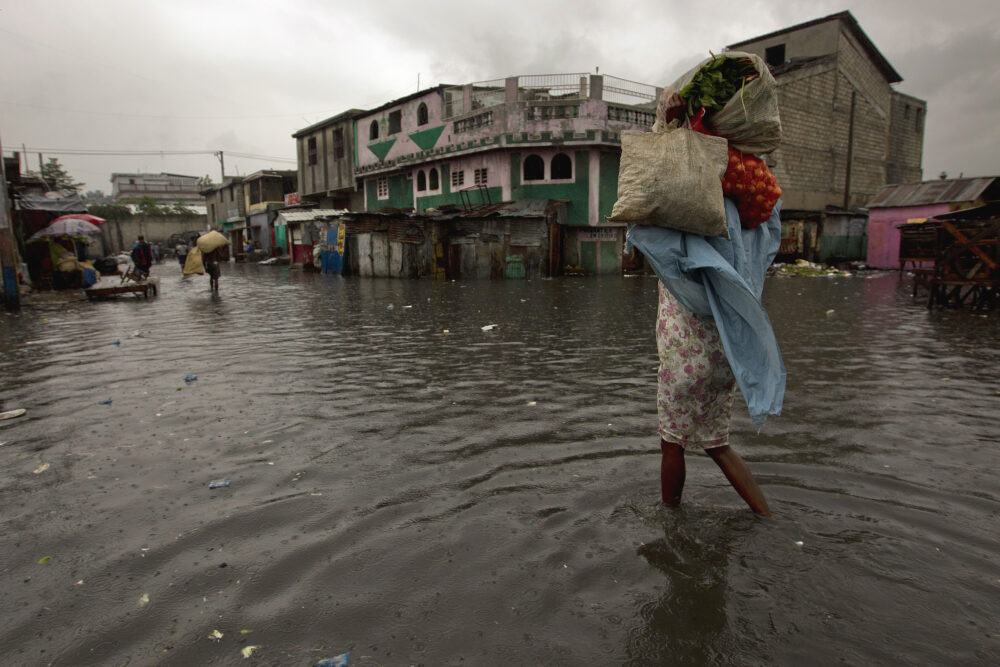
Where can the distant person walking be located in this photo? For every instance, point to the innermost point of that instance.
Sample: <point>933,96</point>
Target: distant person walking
<point>182,253</point>
<point>211,262</point>
<point>142,257</point>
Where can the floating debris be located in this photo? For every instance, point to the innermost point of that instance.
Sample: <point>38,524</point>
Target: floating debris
<point>489,327</point>
<point>803,267</point>
<point>215,635</point>
<point>11,414</point>
<point>249,651</point>
<point>190,378</point>
<point>45,559</point>
<point>218,483</point>
<point>106,401</point>
<point>335,661</point>
<point>42,468</point>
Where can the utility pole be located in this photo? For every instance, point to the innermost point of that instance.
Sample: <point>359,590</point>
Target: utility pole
<point>11,295</point>
<point>222,167</point>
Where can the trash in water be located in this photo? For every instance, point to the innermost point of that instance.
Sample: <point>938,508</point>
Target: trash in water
<point>532,402</point>
<point>11,414</point>
<point>215,634</point>
<point>116,342</point>
<point>829,312</point>
<point>218,483</point>
<point>45,559</point>
<point>144,600</point>
<point>335,661</point>
<point>42,468</point>
<point>106,401</point>
<point>489,327</point>
<point>799,543</point>
<point>248,651</point>
<point>190,378</point>
<point>389,307</point>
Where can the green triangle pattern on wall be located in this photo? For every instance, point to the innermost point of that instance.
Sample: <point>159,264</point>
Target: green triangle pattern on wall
<point>426,139</point>
<point>381,148</point>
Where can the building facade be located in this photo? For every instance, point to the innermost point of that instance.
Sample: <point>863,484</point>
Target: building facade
<point>326,161</point>
<point>540,138</point>
<point>162,188</point>
<point>846,131</point>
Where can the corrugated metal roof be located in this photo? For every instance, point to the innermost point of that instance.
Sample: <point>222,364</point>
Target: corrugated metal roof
<point>944,191</point>
<point>311,214</point>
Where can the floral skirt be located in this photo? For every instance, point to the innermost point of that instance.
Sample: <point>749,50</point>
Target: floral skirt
<point>696,387</point>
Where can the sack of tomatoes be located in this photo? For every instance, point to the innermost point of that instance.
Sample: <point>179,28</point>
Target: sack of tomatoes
<point>752,186</point>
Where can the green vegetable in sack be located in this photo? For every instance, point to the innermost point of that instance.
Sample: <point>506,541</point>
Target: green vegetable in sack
<point>716,82</point>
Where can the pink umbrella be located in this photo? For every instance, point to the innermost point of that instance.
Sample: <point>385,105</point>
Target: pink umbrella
<point>86,217</point>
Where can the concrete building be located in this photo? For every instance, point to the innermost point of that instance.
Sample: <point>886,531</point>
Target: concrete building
<point>847,132</point>
<point>162,188</point>
<point>326,161</point>
<point>264,193</point>
<point>227,204</point>
<point>543,137</point>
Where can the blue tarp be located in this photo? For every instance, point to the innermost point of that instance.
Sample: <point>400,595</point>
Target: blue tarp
<point>723,278</point>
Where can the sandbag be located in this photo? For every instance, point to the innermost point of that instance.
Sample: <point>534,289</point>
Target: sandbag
<point>211,241</point>
<point>672,179</point>
<point>750,119</point>
<point>193,263</point>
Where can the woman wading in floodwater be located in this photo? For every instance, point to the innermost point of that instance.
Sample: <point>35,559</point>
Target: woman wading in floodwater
<point>712,332</point>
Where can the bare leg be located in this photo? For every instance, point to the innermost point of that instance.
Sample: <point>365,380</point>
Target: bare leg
<point>672,473</point>
<point>738,473</point>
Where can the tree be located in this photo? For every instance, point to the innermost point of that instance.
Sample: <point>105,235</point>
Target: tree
<point>110,211</point>
<point>205,182</point>
<point>56,177</point>
<point>179,208</point>
<point>96,196</point>
<point>147,206</point>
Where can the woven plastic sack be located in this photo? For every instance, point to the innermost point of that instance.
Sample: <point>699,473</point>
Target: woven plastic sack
<point>210,241</point>
<point>193,263</point>
<point>750,119</point>
<point>672,179</point>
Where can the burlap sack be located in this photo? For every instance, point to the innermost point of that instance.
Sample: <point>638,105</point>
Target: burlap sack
<point>210,241</point>
<point>193,263</point>
<point>750,119</point>
<point>672,179</point>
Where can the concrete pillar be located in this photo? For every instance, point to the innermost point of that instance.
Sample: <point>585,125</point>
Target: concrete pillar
<point>596,87</point>
<point>511,89</point>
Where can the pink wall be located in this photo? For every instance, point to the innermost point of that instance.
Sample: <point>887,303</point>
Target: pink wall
<point>883,237</point>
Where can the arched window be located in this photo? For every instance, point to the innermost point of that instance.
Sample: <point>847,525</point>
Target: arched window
<point>422,114</point>
<point>373,131</point>
<point>434,184</point>
<point>421,181</point>
<point>534,168</point>
<point>562,167</point>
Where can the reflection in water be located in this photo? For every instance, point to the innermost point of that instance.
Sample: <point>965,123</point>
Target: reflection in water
<point>414,489</point>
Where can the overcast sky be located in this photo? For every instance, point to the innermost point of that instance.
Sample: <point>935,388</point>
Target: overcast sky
<point>241,77</point>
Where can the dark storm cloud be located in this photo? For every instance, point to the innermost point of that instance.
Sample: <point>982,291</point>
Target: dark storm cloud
<point>243,76</point>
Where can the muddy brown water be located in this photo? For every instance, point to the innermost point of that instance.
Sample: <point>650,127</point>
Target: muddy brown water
<point>417,491</point>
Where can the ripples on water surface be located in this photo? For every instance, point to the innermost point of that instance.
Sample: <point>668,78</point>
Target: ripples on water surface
<point>418,496</point>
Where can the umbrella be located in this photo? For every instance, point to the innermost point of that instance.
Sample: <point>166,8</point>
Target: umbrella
<point>86,217</point>
<point>69,227</point>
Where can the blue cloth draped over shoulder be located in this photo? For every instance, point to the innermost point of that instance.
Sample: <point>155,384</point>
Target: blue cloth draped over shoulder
<point>723,278</point>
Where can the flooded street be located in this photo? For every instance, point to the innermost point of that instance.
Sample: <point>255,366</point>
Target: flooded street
<point>418,491</point>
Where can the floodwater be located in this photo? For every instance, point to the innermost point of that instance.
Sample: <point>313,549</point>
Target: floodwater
<point>418,491</point>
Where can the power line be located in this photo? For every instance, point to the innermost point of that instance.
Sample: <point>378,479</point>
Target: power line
<point>163,116</point>
<point>161,153</point>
